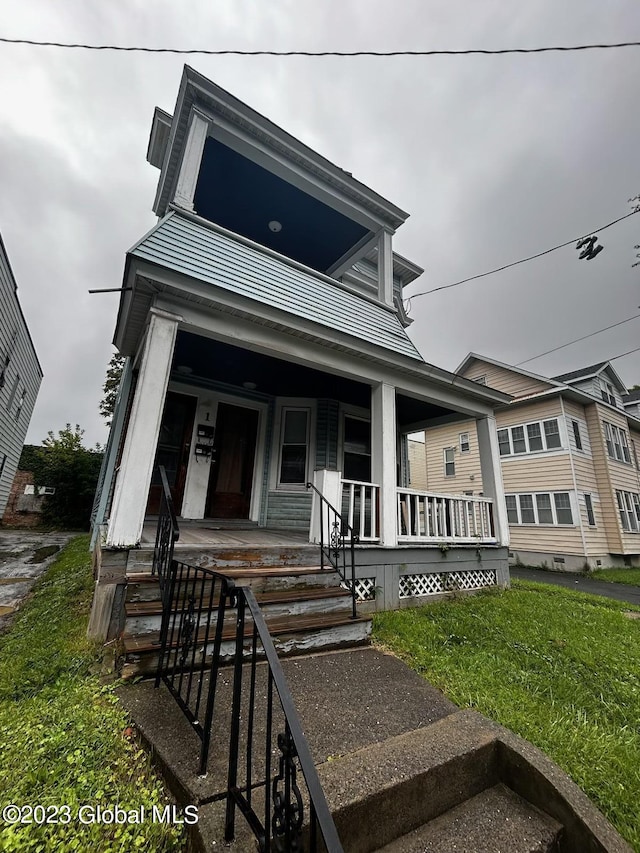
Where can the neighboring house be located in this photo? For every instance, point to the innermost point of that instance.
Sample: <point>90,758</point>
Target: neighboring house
<point>417,464</point>
<point>263,328</point>
<point>20,378</point>
<point>569,447</point>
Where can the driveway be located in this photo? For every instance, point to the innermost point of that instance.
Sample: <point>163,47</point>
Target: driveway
<point>24,555</point>
<point>617,591</point>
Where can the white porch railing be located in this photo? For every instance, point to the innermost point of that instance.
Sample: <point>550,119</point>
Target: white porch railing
<point>361,507</point>
<point>425,517</point>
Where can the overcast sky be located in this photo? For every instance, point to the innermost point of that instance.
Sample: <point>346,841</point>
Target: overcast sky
<point>495,158</point>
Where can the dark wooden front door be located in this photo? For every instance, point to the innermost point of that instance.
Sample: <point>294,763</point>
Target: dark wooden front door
<point>174,443</point>
<point>232,468</point>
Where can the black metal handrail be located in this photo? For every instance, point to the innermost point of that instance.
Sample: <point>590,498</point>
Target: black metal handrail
<point>337,547</point>
<point>274,806</point>
<point>167,534</point>
<point>284,816</point>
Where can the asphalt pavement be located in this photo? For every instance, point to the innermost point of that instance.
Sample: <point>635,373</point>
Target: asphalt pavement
<point>570,580</point>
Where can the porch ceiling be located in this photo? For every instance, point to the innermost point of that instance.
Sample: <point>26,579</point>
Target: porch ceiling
<point>219,362</point>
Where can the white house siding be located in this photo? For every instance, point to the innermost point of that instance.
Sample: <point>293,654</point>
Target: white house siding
<point>22,374</point>
<point>417,464</point>
<point>467,476</point>
<point>505,380</point>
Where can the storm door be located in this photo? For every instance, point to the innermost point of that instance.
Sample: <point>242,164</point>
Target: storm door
<point>174,443</point>
<point>231,476</point>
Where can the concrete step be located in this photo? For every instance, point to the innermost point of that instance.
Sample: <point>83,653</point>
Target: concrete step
<point>144,616</point>
<point>291,635</point>
<point>496,820</point>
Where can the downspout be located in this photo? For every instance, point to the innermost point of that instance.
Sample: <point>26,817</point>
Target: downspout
<point>573,477</point>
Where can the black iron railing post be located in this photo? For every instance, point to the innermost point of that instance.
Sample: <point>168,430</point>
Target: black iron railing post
<point>234,744</point>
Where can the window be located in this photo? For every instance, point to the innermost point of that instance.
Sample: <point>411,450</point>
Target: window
<point>527,515</point>
<point>3,459</point>
<point>545,513</point>
<point>607,392</point>
<point>20,404</point>
<point>357,450</point>
<point>563,508</point>
<point>465,446</point>
<point>449,462</point>
<point>294,447</point>
<point>12,394</point>
<point>552,433</point>
<point>590,514</point>
<point>539,508</point>
<point>535,437</point>
<point>576,434</point>
<point>629,509</point>
<point>617,444</point>
<point>481,380</point>
<point>529,438</point>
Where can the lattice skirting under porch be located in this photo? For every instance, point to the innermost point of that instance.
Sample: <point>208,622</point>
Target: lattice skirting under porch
<point>365,589</point>
<point>435,583</point>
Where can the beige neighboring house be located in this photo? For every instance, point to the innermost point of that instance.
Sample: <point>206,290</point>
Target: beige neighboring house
<point>569,448</point>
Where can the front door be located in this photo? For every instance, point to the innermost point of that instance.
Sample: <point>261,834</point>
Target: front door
<point>174,443</point>
<point>231,474</point>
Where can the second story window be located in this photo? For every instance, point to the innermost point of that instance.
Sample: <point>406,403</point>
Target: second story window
<point>464,442</point>
<point>617,444</point>
<point>449,462</point>
<point>529,438</point>
<point>575,426</point>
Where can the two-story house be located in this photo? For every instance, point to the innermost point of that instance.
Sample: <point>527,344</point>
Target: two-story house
<point>20,378</point>
<point>569,447</point>
<point>266,346</point>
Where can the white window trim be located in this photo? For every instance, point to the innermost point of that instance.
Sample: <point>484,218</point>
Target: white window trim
<point>444,459</point>
<point>528,452</point>
<point>616,436</point>
<point>537,522</point>
<point>628,508</point>
<point>283,404</point>
<point>468,442</point>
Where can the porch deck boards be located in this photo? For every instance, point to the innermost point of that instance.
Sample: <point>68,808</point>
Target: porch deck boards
<point>208,533</point>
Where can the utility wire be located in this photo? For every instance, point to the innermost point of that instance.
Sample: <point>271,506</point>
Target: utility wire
<point>623,354</point>
<point>583,338</point>
<point>318,53</point>
<point>521,261</point>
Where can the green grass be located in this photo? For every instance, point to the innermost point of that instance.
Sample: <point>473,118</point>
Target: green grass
<point>628,576</point>
<point>63,735</point>
<point>559,668</point>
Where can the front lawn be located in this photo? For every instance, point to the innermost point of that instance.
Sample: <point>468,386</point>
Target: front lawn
<point>559,668</point>
<point>64,739</point>
<point>628,576</point>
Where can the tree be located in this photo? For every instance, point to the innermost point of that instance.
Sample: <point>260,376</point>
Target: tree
<point>72,470</point>
<point>110,387</point>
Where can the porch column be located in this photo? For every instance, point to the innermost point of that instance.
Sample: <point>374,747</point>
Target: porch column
<point>383,457</point>
<point>134,477</point>
<point>491,471</point>
<point>191,160</point>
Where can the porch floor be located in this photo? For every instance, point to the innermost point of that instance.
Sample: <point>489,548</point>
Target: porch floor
<point>208,532</point>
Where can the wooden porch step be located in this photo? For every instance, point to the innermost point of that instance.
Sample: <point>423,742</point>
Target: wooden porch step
<point>243,572</point>
<point>142,643</point>
<point>154,608</point>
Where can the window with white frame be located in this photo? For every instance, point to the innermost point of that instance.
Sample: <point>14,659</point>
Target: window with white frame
<point>294,447</point>
<point>629,509</point>
<point>449,462</point>
<point>617,444</point>
<point>465,445</point>
<point>575,426</point>
<point>553,508</point>
<point>356,460</point>
<point>20,402</point>
<point>588,502</point>
<point>607,393</point>
<point>3,459</point>
<point>529,438</point>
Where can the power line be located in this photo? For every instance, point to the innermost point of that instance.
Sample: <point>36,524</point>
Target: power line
<point>521,261</point>
<point>318,53</point>
<point>583,338</point>
<point>613,358</point>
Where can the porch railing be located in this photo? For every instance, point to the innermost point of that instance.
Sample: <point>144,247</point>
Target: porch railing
<point>362,504</point>
<point>167,534</point>
<point>337,545</point>
<point>429,517</point>
<point>248,716</point>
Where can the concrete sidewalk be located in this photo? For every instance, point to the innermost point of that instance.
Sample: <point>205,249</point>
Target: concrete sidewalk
<point>582,583</point>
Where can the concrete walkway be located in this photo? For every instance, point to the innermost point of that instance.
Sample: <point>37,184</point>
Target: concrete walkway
<point>570,580</point>
<point>24,555</point>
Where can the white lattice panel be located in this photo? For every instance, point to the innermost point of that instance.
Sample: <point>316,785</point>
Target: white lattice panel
<point>365,588</point>
<point>420,585</point>
<point>474,579</point>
